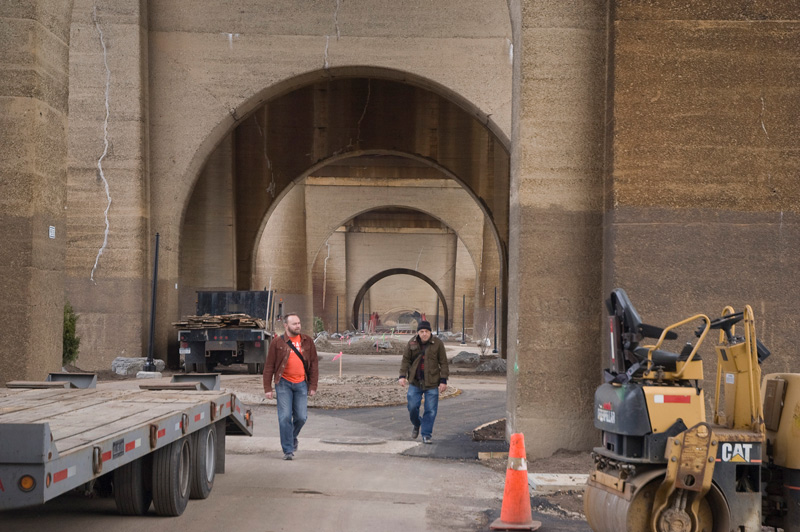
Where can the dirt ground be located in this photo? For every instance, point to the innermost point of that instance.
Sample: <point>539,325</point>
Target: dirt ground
<point>357,391</point>
<point>347,391</point>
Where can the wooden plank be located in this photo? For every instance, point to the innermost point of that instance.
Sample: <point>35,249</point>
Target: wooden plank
<point>113,429</point>
<point>38,384</point>
<point>35,411</point>
<point>18,396</point>
<point>73,423</point>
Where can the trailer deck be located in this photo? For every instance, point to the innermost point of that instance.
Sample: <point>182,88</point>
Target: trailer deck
<point>60,438</point>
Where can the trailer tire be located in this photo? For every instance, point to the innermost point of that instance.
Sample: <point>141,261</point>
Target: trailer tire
<point>133,487</point>
<point>204,461</point>
<point>172,474</point>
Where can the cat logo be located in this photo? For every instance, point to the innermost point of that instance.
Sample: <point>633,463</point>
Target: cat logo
<point>735,452</point>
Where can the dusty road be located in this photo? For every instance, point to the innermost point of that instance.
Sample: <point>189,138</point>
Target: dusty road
<point>356,470</point>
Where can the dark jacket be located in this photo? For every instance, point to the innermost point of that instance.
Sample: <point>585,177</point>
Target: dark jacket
<point>436,368</point>
<point>278,355</point>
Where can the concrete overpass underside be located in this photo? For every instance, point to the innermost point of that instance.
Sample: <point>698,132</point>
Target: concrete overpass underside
<point>552,149</point>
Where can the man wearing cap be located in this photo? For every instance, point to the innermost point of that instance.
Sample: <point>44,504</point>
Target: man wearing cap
<point>424,369</point>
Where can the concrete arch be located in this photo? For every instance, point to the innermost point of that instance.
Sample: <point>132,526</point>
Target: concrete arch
<point>229,119</point>
<point>397,271</point>
<point>269,150</point>
<point>471,242</point>
<point>303,130</point>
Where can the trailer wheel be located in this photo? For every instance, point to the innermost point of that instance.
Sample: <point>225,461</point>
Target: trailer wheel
<point>204,461</point>
<point>133,487</point>
<point>172,467</point>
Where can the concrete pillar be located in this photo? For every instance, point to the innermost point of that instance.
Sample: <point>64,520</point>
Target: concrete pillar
<point>285,260</point>
<point>109,261</point>
<point>486,279</point>
<point>329,278</point>
<point>555,239</point>
<point>465,285</point>
<point>34,44</point>
<point>208,242</point>
<point>703,205</point>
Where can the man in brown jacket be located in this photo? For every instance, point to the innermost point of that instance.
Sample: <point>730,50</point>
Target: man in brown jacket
<point>293,367</point>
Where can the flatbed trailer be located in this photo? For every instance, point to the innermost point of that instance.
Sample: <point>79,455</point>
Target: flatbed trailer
<point>159,443</point>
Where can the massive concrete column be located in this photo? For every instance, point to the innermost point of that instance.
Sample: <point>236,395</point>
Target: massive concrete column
<point>284,260</point>
<point>703,204</point>
<point>34,45</point>
<point>330,280</point>
<point>555,239</point>
<point>487,279</point>
<point>108,259</point>
<point>208,243</point>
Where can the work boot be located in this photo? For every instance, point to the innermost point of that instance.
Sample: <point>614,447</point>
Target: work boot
<point>414,433</point>
<point>427,439</point>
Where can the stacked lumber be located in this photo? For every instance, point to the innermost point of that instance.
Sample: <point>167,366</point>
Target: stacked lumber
<point>226,321</point>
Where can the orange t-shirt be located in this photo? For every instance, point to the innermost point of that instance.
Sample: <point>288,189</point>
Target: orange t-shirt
<point>294,371</point>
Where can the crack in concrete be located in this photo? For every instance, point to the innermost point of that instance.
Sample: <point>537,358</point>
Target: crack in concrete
<point>105,145</point>
<point>363,113</point>
<point>271,187</point>
<point>325,63</point>
<point>336,19</point>
<point>325,273</point>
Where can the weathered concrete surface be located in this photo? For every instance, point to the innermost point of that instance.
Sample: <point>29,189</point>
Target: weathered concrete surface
<point>108,264</point>
<point>555,240</point>
<point>209,73</point>
<point>34,45</point>
<point>703,205</point>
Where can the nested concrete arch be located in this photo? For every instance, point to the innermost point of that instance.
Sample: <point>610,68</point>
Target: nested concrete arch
<point>300,131</point>
<point>334,201</point>
<point>388,273</point>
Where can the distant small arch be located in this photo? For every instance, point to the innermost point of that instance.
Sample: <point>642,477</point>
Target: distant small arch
<point>397,271</point>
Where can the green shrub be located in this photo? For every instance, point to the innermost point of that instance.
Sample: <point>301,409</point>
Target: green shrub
<point>69,354</point>
<point>319,325</point>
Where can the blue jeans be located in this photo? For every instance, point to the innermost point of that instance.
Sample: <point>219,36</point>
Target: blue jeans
<point>292,411</point>
<point>414,397</point>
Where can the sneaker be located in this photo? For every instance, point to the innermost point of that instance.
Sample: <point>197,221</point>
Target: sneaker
<point>427,439</point>
<point>288,456</point>
<point>414,433</point>
<point>296,444</point>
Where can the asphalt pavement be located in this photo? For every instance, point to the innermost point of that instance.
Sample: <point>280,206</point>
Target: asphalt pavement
<point>356,470</point>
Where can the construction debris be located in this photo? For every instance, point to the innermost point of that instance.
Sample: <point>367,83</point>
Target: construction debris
<point>232,321</point>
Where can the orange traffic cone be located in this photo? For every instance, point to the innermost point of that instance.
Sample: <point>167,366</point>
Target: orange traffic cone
<point>516,511</point>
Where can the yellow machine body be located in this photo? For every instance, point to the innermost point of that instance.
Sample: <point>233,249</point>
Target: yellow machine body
<point>781,396</point>
<point>709,476</point>
<point>665,404</point>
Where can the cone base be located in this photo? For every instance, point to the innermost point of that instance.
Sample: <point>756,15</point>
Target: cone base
<point>500,525</point>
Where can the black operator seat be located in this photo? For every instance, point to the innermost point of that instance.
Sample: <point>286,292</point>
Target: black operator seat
<point>666,359</point>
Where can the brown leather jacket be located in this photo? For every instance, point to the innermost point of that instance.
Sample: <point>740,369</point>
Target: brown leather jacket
<point>278,355</point>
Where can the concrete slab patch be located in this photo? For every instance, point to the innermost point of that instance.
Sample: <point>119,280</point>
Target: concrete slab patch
<point>267,444</point>
<point>550,482</point>
<point>353,441</point>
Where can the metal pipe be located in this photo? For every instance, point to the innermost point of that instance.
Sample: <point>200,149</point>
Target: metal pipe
<point>150,365</point>
<point>337,314</point>
<point>463,319</point>
<point>495,321</point>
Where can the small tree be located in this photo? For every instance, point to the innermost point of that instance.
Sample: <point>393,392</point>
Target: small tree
<point>69,353</point>
<point>319,325</point>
